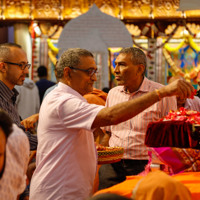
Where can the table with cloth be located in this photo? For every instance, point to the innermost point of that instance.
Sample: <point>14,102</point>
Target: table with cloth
<point>176,144</point>
<point>190,179</point>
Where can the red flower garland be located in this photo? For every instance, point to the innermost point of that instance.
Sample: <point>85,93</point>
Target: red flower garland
<point>183,115</point>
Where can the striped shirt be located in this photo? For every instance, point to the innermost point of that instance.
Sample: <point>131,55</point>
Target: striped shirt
<point>7,103</point>
<point>131,133</point>
<point>193,104</point>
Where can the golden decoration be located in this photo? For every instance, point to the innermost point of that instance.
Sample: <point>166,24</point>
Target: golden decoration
<point>109,7</point>
<point>193,44</point>
<point>187,40</point>
<point>66,9</point>
<point>133,29</point>
<point>16,9</point>
<point>50,31</point>
<point>174,68</point>
<point>136,9</point>
<point>182,31</point>
<point>72,9</point>
<point>173,49</point>
<point>166,8</point>
<point>46,9</point>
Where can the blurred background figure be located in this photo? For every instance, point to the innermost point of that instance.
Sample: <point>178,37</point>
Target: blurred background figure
<point>43,84</point>
<point>56,84</point>
<point>106,89</point>
<point>28,100</point>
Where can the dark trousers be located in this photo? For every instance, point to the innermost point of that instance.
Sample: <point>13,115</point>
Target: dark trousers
<point>111,174</point>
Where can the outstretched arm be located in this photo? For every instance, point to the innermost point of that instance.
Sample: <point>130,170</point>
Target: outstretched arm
<point>126,110</point>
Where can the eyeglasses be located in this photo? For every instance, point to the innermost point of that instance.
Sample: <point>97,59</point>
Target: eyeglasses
<point>21,65</point>
<point>90,71</point>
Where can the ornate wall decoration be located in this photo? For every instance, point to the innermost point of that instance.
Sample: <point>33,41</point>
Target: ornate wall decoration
<point>151,61</point>
<point>12,9</point>
<point>187,29</point>
<point>109,7</point>
<point>191,13</point>
<point>72,9</point>
<point>188,66</point>
<point>166,8</point>
<point>50,31</point>
<point>67,9</point>
<point>133,29</point>
<point>46,9</point>
<point>136,9</point>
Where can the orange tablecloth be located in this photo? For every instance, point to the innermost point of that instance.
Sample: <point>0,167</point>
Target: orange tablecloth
<point>190,179</point>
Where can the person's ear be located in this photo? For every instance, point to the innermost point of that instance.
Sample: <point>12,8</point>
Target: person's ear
<point>2,67</point>
<point>141,68</point>
<point>67,72</point>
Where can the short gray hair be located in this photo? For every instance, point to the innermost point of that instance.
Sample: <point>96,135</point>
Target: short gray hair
<point>71,58</point>
<point>137,55</point>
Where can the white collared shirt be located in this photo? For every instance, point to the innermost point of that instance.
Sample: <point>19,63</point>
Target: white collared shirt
<point>66,156</point>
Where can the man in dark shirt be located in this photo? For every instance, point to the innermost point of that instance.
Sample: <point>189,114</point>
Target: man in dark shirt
<point>43,84</point>
<point>13,69</point>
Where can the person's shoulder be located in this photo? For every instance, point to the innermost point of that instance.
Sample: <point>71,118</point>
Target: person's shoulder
<point>17,134</point>
<point>61,95</point>
<point>197,98</point>
<point>153,84</point>
<point>116,88</point>
<point>18,88</point>
<point>18,142</point>
<point>38,82</point>
<point>50,89</point>
<point>51,83</point>
<point>48,82</point>
<point>194,100</point>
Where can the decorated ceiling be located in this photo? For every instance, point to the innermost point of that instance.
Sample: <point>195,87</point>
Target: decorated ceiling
<point>126,10</point>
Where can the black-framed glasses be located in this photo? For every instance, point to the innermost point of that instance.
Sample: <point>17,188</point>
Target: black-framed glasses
<point>90,71</point>
<point>23,66</point>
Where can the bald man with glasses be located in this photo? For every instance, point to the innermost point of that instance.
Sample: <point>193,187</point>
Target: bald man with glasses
<point>13,69</point>
<point>66,157</point>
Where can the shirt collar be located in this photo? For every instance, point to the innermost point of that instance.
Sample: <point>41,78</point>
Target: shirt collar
<point>143,87</point>
<point>68,89</point>
<point>7,93</point>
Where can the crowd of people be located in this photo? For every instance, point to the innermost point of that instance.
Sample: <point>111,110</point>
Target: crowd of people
<point>71,118</point>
